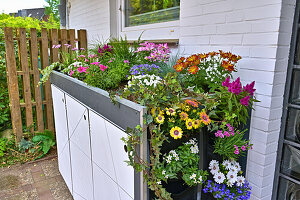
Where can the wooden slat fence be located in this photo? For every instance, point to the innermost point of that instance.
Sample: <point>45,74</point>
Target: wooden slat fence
<point>33,53</point>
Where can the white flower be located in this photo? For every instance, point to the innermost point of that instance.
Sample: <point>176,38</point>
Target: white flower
<point>192,141</point>
<point>230,183</point>
<point>193,176</point>
<point>231,176</point>
<point>214,171</point>
<point>240,181</point>
<point>227,164</point>
<point>213,164</point>
<point>176,158</point>
<point>237,166</point>
<point>159,182</point>
<point>163,172</point>
<point>167,176</point>
<point>200,178</point>
<point>219,177</point>
<point>194,149</point>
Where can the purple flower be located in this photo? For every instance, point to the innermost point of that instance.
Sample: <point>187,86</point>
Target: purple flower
<point>250,88</point>
<point>245,101</point>
<point>235,87</point>
<point>226,83</point>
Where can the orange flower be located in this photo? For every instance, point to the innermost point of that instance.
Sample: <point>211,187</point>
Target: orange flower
<point>192,58</point>
<point>180,60</point>
<point>227,65</point>
<point>223,54</point>
<point>205,118</point>
<point>193,69</point>
<point>192,103</point>
<point>213,53</point>
<point>202,56</point>
<point>178,67</point>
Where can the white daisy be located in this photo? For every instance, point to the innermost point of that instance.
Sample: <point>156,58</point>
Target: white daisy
<point>237,166</point>
<point>214,170</point>
<point>230,183</point>
<point>240,181</point>
<point>219,177</point>
<point>213,164</point>
<point>226,164</point>
<point>231,176</point>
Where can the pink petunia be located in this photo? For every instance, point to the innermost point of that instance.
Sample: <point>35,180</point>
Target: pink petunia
<point>72,72</point>
<point>81,69</point>
<point>243,148</point>
<point>102,67</point>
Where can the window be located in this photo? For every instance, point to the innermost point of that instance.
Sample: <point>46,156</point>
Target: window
<point>139,12</point>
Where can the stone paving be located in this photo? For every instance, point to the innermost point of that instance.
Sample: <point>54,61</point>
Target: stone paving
<point>39,180</point>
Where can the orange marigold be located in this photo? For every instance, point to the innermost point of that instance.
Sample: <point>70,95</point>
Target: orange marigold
<point>180,60</point>
<point>227,65</point>
<point>203,56</point>
<point>178,67</point>
<point>192,58</point>
<point>193,69</point>
<point>213,53</point>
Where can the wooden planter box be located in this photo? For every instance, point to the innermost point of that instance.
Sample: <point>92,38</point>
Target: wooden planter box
<point>89,129</point>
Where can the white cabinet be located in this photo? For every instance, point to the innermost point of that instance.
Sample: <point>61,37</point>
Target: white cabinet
<point>91,154</point>
<point>80,148</point>
<point>62,135</point>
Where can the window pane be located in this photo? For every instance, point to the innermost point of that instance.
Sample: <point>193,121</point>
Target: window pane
<point>293,125</point>
<point>288,190</point>
<point>290,164</point>
<point>139,12</point>
<point>295,92</point>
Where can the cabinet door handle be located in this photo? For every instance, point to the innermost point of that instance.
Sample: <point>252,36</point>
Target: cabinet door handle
<point>84,117</point>
<point>125,148</point>
<point>63,100</point>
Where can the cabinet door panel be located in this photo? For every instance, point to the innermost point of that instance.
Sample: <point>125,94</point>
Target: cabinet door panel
<point>101,152</point>
<point>124,173</point>
<point>62,135</point>
<point>104,186</point>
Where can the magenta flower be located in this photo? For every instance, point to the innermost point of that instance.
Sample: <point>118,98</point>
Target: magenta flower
<point>72,72</point>
<point>75,49</point>
<point>243,148</point>
<point>235,87</point>
<point>92,56</point>
<point>95,63</point>
<point>250,88</point>
<point>226,134</point>
<point>226,83</point>
<point>126,61</point>
<point>106,48</point>
<point>245,101</point>
<point>236,151</point>
<point>81,56</point>
<point>102,67</point>
<point>81,69</point>
<point>56,46</point>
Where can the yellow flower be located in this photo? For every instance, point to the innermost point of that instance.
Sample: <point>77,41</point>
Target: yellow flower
<point>205,118</point>
<point>176,132</point>
<point>189,124</point>
<point>170,111</point>
<point>187,108</point>
<point>172,120</point>
<point>196,123</point>
<point>160,119</point>
<point>153,111</point>
<point>183,116</point>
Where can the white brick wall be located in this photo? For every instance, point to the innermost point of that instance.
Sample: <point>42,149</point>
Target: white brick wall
<point>258,30</point>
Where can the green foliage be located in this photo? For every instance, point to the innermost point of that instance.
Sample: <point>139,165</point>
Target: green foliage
<point>45,141</point>
<point>52,9</point>
<point>25,145</point>
<point>3,148</point>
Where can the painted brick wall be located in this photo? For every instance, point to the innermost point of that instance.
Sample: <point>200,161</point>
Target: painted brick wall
<point>92,15</point>
<point>259,31</point>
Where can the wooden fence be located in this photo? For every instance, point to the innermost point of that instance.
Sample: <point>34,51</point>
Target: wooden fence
<point>23,75</point>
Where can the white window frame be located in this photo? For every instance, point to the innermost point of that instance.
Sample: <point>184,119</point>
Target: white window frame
<point>163,31</point>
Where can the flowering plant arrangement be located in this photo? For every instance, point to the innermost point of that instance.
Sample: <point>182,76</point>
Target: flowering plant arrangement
<point>206,72</point>
<point>154,52</point>
<point>227,183</point>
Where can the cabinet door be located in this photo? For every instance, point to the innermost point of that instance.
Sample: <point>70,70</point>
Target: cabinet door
<point>62,135</point>
<point>124,173</point>
<point>105,186</point>
<point>78,122</point>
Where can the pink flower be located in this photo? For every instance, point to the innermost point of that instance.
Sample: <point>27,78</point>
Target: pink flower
<point>81,56</point>
<point>226,134</point>
<point>102,67</point>
<point>250,88</point>
<point>68,45</point>
<point>221,135</point>
<point>56,46</point>
<point>95,63</point>
<point>243,148</point>
<point>81,69</point>
<point>92,56</point>
<point>245,101</point>
<point>86,60</point>
<point>235,87</point>
<point>126,61</point>
<point>74,49</point>
<point>109,61</point>
<point>72,72</point>
<point>236,151</point>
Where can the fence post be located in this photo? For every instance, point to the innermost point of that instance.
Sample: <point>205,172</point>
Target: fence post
<point>36,78</point>
<point>82,39</point>
<point>45,62</point>
<point>23,57</point>
<point>13,86</point>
